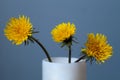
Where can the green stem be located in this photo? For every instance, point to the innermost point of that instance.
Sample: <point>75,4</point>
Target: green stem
<point>69,56</point>
<point>82,57</point>
<point>46,53</point>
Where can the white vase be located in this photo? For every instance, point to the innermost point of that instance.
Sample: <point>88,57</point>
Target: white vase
<point>60,69</point>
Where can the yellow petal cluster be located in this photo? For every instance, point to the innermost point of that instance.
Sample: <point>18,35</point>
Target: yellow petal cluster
<point>18,29</point>
<point>63,31</point>
<point>97,47</point>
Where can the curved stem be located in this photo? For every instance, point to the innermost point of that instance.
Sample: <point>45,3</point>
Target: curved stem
<point>82,57</point>
<point>46,53</point>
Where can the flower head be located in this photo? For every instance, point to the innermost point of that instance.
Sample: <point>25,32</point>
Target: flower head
<point>63,32</point>
<point>18,29</point>
<point>97,47</point>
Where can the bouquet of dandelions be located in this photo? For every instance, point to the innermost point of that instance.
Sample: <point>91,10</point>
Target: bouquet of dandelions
<point>19,30</point>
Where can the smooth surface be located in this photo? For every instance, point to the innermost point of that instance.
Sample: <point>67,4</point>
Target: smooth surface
<point>60,69</point>
<point>25,62</point>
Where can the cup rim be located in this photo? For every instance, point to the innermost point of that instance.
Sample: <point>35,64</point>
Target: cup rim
<point>64,60</point>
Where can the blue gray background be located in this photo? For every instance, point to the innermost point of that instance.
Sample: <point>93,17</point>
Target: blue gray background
<point>24,62</point>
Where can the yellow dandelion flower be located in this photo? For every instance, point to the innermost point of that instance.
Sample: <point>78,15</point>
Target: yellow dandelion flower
<point>18,29</point>
<point>97,47</point>
<point>63,32</point>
